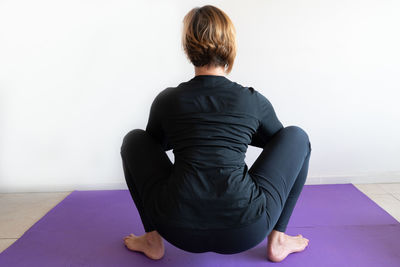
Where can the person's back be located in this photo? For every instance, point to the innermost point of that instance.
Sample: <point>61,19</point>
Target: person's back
<point>209,121</point>
<point>208,200</point>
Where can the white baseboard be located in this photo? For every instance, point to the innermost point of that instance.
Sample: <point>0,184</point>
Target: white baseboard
<point>363,178</point>
<point>359,178</point>
<point>64,187</point>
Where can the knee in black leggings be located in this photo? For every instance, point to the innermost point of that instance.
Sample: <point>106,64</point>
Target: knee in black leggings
<point>299,134</point>
<point>133,137</point>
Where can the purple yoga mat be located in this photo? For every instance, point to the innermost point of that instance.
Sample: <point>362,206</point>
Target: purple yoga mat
<point>344,226</point>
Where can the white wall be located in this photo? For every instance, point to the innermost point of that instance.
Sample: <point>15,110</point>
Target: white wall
<point>76,76</point>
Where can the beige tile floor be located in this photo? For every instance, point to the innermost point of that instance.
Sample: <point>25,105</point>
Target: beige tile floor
<point>19,211</point>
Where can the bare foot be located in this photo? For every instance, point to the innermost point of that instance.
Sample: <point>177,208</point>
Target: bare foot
<point>280,245</point>
<point>151,244</point>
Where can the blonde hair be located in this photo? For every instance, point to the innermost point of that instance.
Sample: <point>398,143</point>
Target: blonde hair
<point>209,37</point>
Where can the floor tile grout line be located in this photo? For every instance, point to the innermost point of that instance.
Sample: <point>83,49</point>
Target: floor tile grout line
<point>389,192</point>
<point>395,197</point>
<point>386,194</point>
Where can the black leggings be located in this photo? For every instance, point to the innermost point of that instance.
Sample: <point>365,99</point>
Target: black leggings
<point>280,171</point>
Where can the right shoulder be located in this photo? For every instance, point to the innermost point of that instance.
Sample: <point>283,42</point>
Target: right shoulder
<point>164,94</point>
<point>170,91</point>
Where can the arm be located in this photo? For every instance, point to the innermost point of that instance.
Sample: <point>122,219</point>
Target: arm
<point>269,123</point>
<point>154,124</point>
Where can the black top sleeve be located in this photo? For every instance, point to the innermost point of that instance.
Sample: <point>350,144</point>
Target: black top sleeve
<point>269,123</point>
<point>154,124</point>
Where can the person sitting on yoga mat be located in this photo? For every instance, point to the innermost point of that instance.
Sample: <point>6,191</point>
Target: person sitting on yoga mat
<point>208,199</point>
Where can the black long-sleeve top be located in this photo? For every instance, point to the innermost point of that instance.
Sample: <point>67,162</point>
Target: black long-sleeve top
<point>209,121</point>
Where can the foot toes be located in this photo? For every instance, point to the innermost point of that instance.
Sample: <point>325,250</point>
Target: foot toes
<point>128,236</point>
